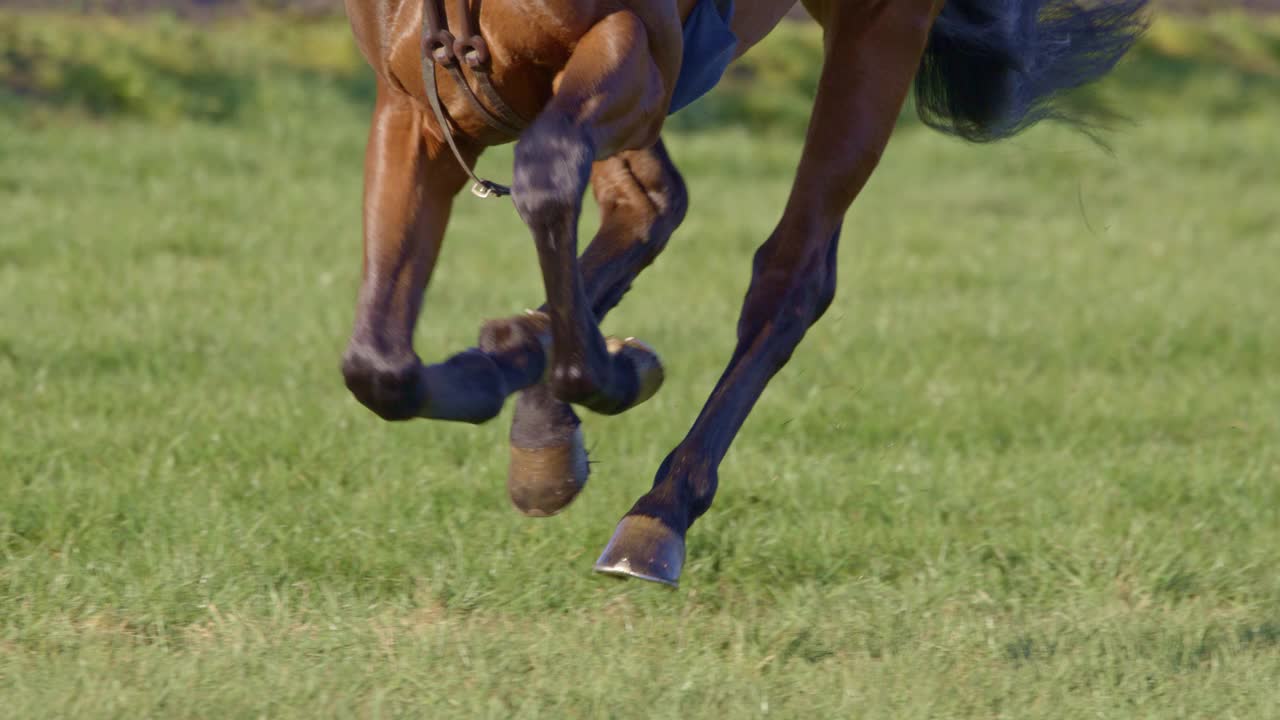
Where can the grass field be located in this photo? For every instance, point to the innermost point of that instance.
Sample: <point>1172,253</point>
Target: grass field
<point>1026,467</point>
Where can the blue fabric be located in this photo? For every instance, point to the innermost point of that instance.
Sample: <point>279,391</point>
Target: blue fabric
<point>709,47</point>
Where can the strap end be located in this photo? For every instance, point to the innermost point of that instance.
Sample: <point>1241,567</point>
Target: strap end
<point>485,189</point>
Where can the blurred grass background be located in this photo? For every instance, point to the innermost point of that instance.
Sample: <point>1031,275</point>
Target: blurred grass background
<point>1026,467</point>
<point>230,63</point>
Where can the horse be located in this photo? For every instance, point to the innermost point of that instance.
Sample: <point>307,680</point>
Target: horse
<point>596,80</point>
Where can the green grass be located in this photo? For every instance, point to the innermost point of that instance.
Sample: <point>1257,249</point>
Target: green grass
<point>1027,466</point>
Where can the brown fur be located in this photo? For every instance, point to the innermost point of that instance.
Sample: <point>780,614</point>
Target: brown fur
<point>598,75</point>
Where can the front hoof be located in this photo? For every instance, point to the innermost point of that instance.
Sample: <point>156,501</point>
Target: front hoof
<point>467,387</point>
<point>524,336</point>
<point>645,548</point>
<point>644,359</point>
<point>543,481</point>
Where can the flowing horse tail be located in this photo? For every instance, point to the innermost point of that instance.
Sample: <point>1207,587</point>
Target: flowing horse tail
<point>995,67</point>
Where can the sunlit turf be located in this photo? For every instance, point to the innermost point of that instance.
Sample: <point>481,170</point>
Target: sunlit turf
<point>1027,466</point>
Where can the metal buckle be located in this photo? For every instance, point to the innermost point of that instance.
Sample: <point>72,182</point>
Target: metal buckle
<point>474,51</point>
<point>439,47</point>
<point>483,191</point>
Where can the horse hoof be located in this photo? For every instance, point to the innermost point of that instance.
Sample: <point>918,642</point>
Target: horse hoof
<point>543,481</point>
<point>645,548</point>
<point>522,339</point>
<point>468,387</point>
<point>647,364</point>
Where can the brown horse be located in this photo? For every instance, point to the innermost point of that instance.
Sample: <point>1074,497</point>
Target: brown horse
<point>598,78</point>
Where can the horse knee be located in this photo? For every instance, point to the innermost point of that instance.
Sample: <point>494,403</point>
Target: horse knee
<point>787,298</point>
<point>827,285</point>
<point>657,186</point>
<point>677,198</point>
<point>391,387</point>
<point>552,166</point>
<point>670,201</point>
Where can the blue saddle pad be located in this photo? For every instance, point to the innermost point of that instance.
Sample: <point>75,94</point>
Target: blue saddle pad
<point>709,46</point>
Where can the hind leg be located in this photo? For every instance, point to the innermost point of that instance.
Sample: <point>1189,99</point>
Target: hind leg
<point>642,200</point>
<point>872,52</point>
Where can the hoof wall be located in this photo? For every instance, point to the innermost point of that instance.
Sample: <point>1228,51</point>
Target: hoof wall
<point>543,481</point>
<point>528,332</point>
<point>646,549</point>
<point>647,364</point>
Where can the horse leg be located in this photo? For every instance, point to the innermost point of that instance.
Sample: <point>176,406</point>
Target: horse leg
<point>611,97</point>
<point>410,182</point>
<point>872,52</point>
<point>642,201</point>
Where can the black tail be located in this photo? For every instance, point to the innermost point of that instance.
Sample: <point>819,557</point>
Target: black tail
<point>995,67</point>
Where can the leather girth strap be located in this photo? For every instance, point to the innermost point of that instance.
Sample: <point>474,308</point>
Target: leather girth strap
<point>441,48</point>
